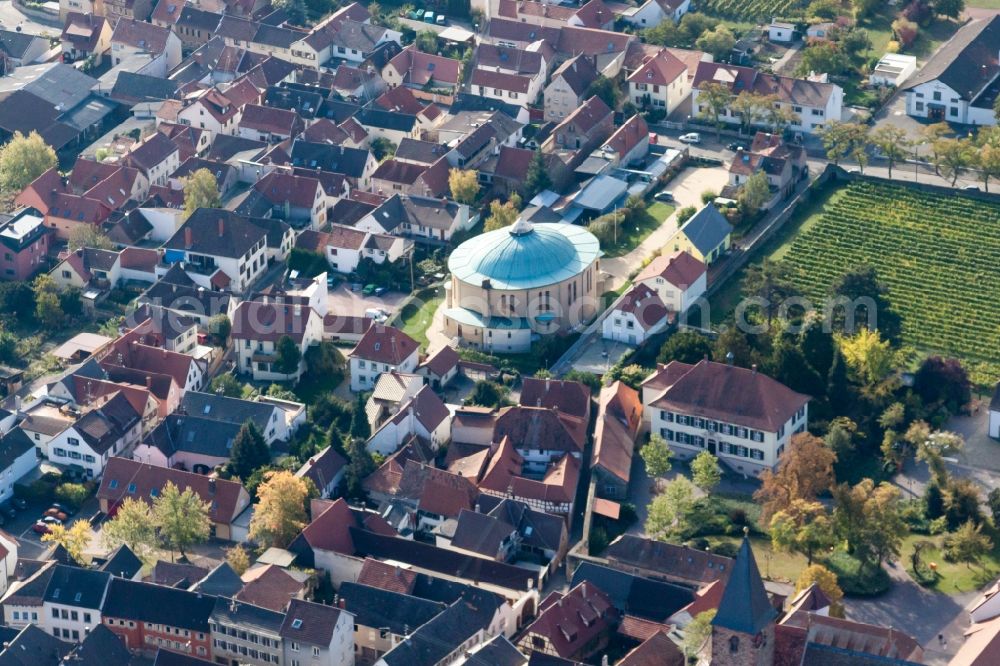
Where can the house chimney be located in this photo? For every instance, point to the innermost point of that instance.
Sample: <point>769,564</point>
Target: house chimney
<point>149,382</point>
<point>753,368</point>
<point>211,486</point>
<point>188,238</point>
<point>547,382</point>
<point>222,227</point>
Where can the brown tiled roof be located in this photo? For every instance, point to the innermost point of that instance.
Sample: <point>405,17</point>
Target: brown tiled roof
<point>141,35</point>
<point>254,320</point>
<point>732,394</point>
<point>325,131</point>
<point>270,119</point>
<point>642,302</point>
<point>536,428</point>
<point>578,72</point>
<point>385,479</point>
<point>400,99</point>
<point>657,650</point>
<point>395,171</point>
<point>330,526</point>
<point>436,490</point>
<point>278,188</point>
<point>442,361</point>
<point>666,375</point>
<point>492,56</point>
<point>641,629</point>
<point>513,163</point>
<point>417,67</point>
<point>662,69</point>
<point>269,586</point>
<point>619,417</point>
<point>427,407</point>
<point>334,324</point>
<point>680,269</point>
<point>570,621</point>
<point>629,135</point>
<point>226,498</point>
<point>568,397</point>
<point>385,576</point>
<point>310,623</point>
<point>588,116</point>
<point>345,237</point>
<point>500,80</point>
<point>385,344</point>
<point>83,30</point>
<point>595,14</point>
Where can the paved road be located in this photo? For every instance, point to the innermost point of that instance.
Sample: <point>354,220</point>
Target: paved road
<point>11,17</point>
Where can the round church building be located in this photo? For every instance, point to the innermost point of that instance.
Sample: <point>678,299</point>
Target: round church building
<point>511,285</point>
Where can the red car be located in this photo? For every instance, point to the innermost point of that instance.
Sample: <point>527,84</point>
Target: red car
<point>55,513</point>
<point>41,527</point>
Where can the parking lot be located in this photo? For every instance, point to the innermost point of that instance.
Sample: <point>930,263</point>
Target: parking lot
<point>30,542</point>
<point>346,303</point>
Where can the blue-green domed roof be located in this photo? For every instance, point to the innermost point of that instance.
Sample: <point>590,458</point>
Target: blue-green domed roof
<point>525,256</point>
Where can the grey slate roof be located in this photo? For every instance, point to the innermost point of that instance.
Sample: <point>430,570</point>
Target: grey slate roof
<point>309,622</point>
<point>14,43</point>
<point>101,647</point>
<point>13,445</point>
<point>707,228</point>
<point>145,602</point>
<point>433,641</point>
<point>960,63</point>
<point>348,161</point>
<point>228,410</point>
<point>744,607</point>
<point>221,581</point>
<point>240,614</point>
<point>634,595</point>
<point>122,562</point>
<point>34,647</point>
<point>73,586</point>
<point>239,233</point>
<point>377,608</point>
<point>194,434</point>
<point>497,652</point>
<point>130,85</point>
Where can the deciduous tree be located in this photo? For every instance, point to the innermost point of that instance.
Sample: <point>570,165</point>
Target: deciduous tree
<point>503,214</point>
<point>953,157</point>
<point>23,159</point>
<point>606,89</point>
<point>719,42</point>
<point>132,525</point>
<point>686,346</point>
<point>892,142</point>
<point>238,559</point>
<point>713,100</point>
<point>698,631</point>
<point>656,454</point>
<point>669,511</point>
<point>705,471</point>
<point>181,517</point>
<point>87,235</point>
<point>869,519</point>
<point>75,539</point>
<point>201,190</point>
<point>828,584</point>
<point>967,544</point>
<point>754,193</point>
<point>867,355</point>
<point>281,509</point>
<point>771,284</point>
<point>804,471</point>
<point>802,526</point>
<point>464,185</point>
<point>537,178</point>
<point>949,8</point>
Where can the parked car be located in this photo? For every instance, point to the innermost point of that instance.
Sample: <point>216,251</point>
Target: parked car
<point>68,510</point>
<point>41,527</point>
<point>56,513</point>
<point>381,291</point>
<point>442,20</point>
<point>735,146</point>
<point>971,188</point>
<point>51,520</point>
<point>691,137</point>
<point>369,290</point>
<point>664,196</point>
<point>20,503</point>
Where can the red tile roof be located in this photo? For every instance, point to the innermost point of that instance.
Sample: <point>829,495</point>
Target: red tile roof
<point>400,99</point>
<point>619,417</point>
<point>393,578</point>
<point>279,188</point>
<point>661,70</point>
<point>656,650</point>
<point>442,361</point>
<point>513,163</point>
<point>330,526</point>
<point>628,136</point>
<point>127,478</point>
<point>254,320</point>
<point>500,80</point>
<point>270,119</point>
<point>417,67</point>
<point>385,344</point>
<point>680,269</point>
<point>436,490</point>
<point>568,397</point>
<point>570,621</point>
<point>270,587</point>
<point>734,395</point>
<point>642,302</point>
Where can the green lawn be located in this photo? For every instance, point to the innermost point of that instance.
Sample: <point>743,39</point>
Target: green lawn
<point>631,234</point>
<point>416,317</point>
<point>773,564</point>
<point>952,577</point>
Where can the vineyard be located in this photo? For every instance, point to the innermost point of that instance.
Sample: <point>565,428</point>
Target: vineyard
<point>939,256</point>
<point>749,10</point>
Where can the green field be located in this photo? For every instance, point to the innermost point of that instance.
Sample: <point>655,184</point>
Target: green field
<point>939,256</point>
<point>750,10</point>
<point>416,316</point>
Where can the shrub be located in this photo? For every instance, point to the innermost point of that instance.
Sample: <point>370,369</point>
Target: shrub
<point>685,214</point>
<point>726,549</point>
<point>73,494</point>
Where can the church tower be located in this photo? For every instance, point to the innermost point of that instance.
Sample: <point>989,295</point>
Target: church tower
<point>743,628</point>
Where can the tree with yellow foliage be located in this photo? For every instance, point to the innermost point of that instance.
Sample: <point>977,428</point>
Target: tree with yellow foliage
<point>828,584</point>
<point>74,539</point>
<point>281,509</point>
<point>868,356</point>
<point>464,185</point>
<point>503,214</point>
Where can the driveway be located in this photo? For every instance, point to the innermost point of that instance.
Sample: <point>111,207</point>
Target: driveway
<point>687,187</point>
